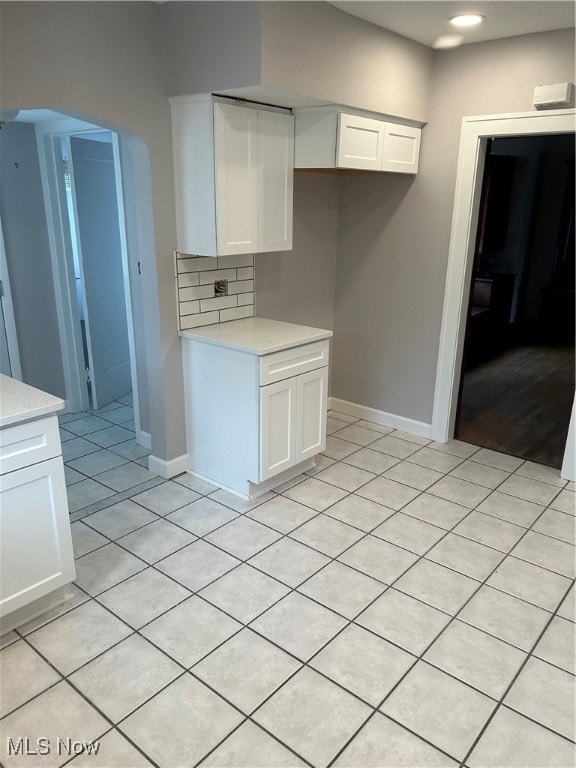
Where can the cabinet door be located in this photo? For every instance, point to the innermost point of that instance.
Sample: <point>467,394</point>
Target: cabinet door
<point>236,158</point>
<point>36,543</point>
<point>277,427</point>
<point>401,148</point>
<point>193,147</point>
<point>312,392</point>
<point>360,143</point>
<point>275,180</point>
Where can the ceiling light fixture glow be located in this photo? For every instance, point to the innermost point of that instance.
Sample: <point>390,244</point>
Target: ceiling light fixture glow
<point>467,20</point>
<point>447,41</point>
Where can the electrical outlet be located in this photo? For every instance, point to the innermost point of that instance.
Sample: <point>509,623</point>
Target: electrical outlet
<point>220,287</point>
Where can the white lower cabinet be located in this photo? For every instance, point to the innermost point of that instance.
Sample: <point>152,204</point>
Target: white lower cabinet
<point>312,404</point>
<point>36,556</point>
<point>252,418</point>
<point>277,427</point>
<point>292,421</point>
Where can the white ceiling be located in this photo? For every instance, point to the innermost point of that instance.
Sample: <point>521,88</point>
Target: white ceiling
<point>427,20</point>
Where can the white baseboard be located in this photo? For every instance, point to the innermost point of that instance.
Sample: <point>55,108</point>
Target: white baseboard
<point>413,427</point>
<point>144,439</point>
<point>169,468</point>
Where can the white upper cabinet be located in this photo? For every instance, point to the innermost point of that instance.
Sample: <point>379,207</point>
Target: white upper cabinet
<point>401,148</point>
<point>233,168</point>
<point>360,143</point>
<point>275,181</point>
<point>329,139</point>
<point>236,167</point>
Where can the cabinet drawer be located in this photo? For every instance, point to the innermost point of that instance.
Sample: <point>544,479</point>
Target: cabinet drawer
<point>29,443</point>
<point>293,362</point>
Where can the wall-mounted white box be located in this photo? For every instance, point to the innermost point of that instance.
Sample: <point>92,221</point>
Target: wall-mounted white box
<point>558,95</point>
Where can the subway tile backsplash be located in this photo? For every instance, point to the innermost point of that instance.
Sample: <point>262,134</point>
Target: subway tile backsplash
<point>195,276</point>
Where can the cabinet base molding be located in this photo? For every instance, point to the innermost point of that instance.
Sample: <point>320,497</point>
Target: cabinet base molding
<point>254,490</point>
<point>36,608</point>
<point>413,427</point>
<point>169,468</point>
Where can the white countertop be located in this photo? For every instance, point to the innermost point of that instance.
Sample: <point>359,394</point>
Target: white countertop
<point>256,335</point>
<point>20,402</point>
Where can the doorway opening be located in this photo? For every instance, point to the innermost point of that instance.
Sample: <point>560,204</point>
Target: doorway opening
<point>517,383</point>
<point>88,168</point>
<point>476,132</point>
<point>78,310</point>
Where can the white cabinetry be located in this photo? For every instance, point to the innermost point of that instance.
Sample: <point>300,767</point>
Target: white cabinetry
<point>329,139</point>
<point>292,421</point>
<point>233,168</point>
<point>36,544</point>
<point>253,420</point>
<point>235,208</point>
<point>401,148</point>
<point>360,143</point>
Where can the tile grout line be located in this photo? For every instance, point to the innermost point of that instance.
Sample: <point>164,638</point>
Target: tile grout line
<point>333,559</point>
<point>292,589</point>
<point>505,554</point>
<point>97,414</point>
<point>349,492</point>
<point>135,631</point>
<point>513,681</point>
<point>246,626</point>
<point>343,628</point>
<point>93,705</point>
<point>420,657</point>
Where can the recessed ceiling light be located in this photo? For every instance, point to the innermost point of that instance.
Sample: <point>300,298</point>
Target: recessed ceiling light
<point>467,20</point>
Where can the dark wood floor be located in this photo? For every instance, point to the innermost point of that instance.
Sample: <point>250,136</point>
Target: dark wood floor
<point>520,403</point>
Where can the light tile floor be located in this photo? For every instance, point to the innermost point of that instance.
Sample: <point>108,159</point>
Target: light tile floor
<point>405,604</point>
<point>103,463</point>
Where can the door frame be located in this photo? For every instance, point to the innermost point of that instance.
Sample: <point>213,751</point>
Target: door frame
<point>48,135</point>
<point>8,311</point>
<point>473,142</point>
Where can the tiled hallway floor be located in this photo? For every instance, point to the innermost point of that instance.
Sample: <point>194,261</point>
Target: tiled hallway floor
<point>103,462</point>
<point>411,604</point>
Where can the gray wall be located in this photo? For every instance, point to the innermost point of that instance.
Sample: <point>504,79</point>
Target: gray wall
<point>103,61</point>
<point>317,50</point>
<point>311,49</point>
<point>135,207</point>
<point>28,259</point>
<point>394,234</point>
<point>298,286</point>
<point>210,46</point>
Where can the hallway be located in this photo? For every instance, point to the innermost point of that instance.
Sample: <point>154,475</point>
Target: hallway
<point>103,462</point>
